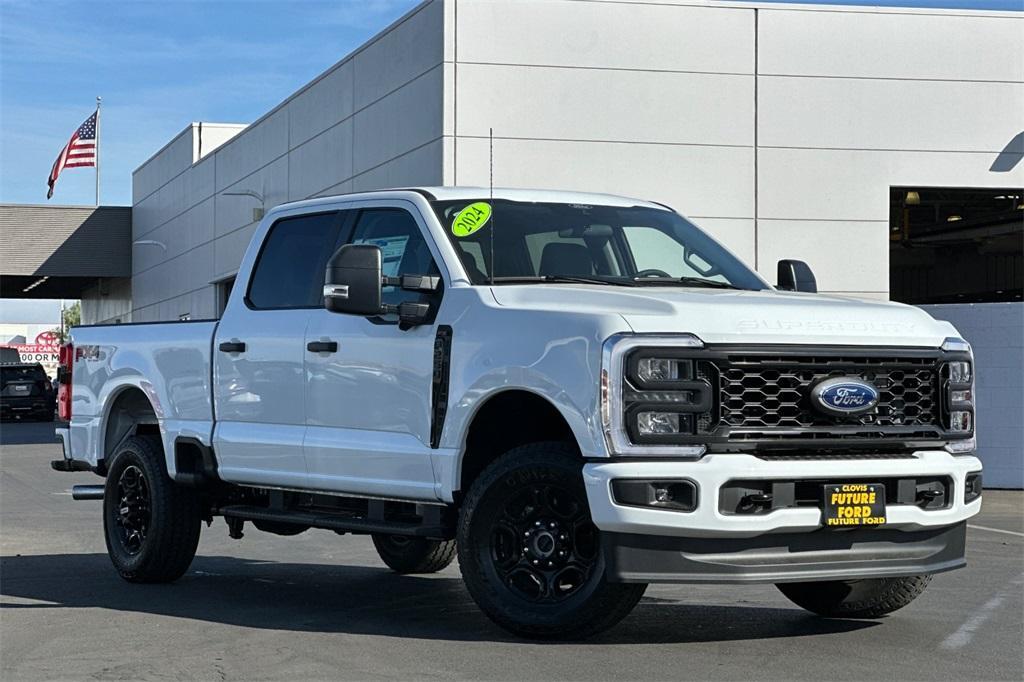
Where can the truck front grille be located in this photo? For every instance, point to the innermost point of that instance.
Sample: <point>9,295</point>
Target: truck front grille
<point>759,394</point>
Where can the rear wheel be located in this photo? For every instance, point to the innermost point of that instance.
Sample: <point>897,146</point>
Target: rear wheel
<point>407,554</point>
<point>529,553</point>
<point>151,524</point>
<point>870,598</point>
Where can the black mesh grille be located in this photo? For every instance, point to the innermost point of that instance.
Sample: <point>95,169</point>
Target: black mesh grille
<point>759,395</point>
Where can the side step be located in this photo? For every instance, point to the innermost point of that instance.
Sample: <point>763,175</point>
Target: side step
<point>431,527</point>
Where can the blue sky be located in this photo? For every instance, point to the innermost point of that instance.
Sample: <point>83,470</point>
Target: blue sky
<point>160,65</point>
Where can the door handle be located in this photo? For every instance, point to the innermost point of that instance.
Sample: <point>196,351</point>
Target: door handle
<point>322,346</point>
<point>232,346</point>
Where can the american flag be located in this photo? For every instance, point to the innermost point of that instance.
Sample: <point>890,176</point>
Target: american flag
<point>79,152</point>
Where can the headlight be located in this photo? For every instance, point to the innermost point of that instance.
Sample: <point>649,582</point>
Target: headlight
<point>654,370</point>
<point>650,396</point>
<point>958,390</point>
<point>960,372</point>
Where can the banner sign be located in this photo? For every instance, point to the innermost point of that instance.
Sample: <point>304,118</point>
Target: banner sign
<point>44,351</point>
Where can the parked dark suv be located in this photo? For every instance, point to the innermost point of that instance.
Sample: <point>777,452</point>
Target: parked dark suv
<point>25,391</point>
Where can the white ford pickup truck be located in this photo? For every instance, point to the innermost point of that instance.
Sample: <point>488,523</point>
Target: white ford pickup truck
<point>576,394</point>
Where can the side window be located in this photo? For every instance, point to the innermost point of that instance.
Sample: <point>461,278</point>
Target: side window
<point>289,272</point>
<point>404,251</point>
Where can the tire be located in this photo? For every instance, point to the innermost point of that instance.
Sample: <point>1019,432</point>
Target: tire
<point>871,598</point>
<point>405,554</point>
<point>529,553</point>
<point>150,523</point>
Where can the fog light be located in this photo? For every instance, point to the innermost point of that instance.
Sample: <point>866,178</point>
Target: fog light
<point>960,421</point>
<point>961,396</point>
<point>650,423</point>
<point>677,495</point>
<point>657,369</point>
<point>960,372</point>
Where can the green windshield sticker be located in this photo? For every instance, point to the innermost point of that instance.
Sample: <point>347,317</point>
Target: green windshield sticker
<point>471,219</point>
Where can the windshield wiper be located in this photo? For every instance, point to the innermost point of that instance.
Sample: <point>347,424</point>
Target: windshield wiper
<point>562,279</point>
<point>687,282</point>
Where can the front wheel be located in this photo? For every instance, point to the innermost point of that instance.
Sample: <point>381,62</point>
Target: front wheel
<point>869,598</point>
<point>151,524</point>
<point>529,552</point>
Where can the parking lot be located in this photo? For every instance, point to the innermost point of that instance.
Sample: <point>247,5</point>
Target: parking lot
<point>322,606</point>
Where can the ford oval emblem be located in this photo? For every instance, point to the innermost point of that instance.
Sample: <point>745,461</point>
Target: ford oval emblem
<point>844,396</point>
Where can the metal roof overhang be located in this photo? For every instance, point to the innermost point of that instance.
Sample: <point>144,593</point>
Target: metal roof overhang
<point>59,251</point>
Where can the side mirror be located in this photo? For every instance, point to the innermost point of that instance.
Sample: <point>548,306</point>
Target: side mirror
<point>353,280</point>
<point>796,275</point>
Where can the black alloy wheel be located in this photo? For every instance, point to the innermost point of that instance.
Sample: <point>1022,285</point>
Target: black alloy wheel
<point>132,512</point>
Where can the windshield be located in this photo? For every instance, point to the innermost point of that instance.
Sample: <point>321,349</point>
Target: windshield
<point>547,242</point>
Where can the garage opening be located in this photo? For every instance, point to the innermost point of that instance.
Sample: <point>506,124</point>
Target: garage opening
<point>956,245</point>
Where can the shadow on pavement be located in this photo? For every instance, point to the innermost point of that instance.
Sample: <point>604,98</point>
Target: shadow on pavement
<point>357,600</point>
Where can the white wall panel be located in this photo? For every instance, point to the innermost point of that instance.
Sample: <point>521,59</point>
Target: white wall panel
<point>323,161</point>
<point>889,114</point>
<point>175,157</point>
<point>623,36</point>
<point>406,51</point>
<point>192,228</point>
<point>593,104</point>
<point>890,45</point>
<point>214,135</point>
<point>844,256</point>
<point>257,146</point>
<point>235,211</point>
<point>419,167</point>
<point>228,251</point>
<point>334,190</point>
<point>404,120</point>
<point>854,185</point>
<point>694,180</point>
<point>320,106</point>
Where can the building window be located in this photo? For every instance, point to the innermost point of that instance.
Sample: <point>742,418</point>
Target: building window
<point>956,245</point>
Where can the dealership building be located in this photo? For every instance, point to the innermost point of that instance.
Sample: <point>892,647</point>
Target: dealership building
<point>881,145</point>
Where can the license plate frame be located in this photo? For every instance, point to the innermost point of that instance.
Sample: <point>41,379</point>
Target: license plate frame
<point>853,505</point>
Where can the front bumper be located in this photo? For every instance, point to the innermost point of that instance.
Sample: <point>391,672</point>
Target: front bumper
<point>649,544</point>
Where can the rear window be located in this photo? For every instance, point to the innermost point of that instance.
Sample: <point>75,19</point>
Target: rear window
<point>9,374</point>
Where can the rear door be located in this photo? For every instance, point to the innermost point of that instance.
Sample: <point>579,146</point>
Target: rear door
<point>259,354</point>
<point>368,399</point>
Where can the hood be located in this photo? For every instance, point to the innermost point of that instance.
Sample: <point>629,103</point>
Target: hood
<point>730,316</point>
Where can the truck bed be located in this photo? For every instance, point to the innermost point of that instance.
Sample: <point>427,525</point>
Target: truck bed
<point>170,363</point>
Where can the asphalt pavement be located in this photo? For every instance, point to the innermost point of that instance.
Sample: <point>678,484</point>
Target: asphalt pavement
<point>322,606</point>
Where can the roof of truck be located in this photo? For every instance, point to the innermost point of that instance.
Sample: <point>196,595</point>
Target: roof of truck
<point>511,194</point>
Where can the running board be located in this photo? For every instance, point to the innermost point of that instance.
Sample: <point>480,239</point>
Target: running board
<point>432,525</point>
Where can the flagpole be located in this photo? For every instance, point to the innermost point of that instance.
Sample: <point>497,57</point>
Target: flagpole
<point>98,100</point>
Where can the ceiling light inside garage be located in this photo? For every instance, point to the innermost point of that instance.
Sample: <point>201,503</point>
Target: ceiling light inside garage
<point>954,218</point>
